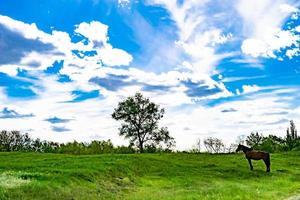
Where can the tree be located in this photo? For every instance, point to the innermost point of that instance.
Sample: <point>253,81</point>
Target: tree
<point>140,122</point>
<point>254,139</point>
<point>14,141</point>
<point>214,145</point>
<point>100,147</point>
<point>291,136</point>
<point>197,147</point>
<point>232,147</point>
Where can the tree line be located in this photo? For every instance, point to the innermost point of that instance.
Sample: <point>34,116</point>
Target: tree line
<point>16,141</point>
<point>273,143</point>
<point>270,143</point>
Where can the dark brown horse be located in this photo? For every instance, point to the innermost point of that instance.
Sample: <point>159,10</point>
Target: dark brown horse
<point>255,155</point>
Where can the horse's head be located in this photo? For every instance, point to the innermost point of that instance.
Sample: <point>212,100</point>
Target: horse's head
<point>239,148</point>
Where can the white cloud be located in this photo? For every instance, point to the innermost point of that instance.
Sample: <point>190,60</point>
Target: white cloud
<point>288,8</point>
<point>250,88</point>
<point>94,31</point>
<point>79,69</point>
<point>252,114</point>
<point>274,43</point>
<point>196,38</point>
<point>51,94</point>
<point>262,23</point>
<point>256,48</point>
<point>114,57</point>
<point>263,112</point>
<point>290,53</point>
<point>97,33</point>
<point>30,31</point>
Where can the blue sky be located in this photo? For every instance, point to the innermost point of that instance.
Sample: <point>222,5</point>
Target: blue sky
<point>220,68</point>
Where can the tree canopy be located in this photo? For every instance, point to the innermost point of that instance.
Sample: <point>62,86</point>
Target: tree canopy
<point>140,119</point>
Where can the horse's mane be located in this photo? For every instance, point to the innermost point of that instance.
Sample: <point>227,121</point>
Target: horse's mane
<point>247,148</point>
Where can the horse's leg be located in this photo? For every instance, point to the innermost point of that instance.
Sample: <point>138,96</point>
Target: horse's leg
<point>267,162</point>
<point>249,160</point>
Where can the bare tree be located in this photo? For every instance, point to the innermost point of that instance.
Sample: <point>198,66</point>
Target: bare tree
<point>198,145</point>
<point>214,145</point>
<point>232,147</point>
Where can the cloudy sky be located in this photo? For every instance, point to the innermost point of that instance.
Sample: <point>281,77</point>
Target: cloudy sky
<point>220,68</point>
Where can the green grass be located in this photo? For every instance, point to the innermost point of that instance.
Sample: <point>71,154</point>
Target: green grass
<point>147,176</point>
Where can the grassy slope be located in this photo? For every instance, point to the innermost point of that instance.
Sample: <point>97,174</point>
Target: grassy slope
<point>148,176</point>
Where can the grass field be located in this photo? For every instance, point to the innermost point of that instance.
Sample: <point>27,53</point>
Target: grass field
<point>147,176</point>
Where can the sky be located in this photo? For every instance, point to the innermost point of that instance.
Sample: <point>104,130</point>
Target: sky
<point>220,68</point>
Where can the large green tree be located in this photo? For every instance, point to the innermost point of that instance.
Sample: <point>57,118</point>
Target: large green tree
<point>140,119</point>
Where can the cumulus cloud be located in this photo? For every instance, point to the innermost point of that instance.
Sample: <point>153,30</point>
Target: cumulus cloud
<point>262,27</point>
<point>63,49</point>
<point>97,34</point>
<point>94,31</point>
<point>14,46</point>
<point>275,43</point>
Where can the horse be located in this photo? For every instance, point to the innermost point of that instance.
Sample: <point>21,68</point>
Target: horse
<point>251,154</point>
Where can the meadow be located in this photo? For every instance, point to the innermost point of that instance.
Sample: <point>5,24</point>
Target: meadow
<point>147,176</point>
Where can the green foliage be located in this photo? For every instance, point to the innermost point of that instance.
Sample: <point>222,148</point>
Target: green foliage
<point>254,140</point>
<point>94,147</point>
<point>274,143</point>
<point>15,141</point>
<point>140,122</point>
<point>292,139</point>
<point>270,143</point>
<point>124,150</point>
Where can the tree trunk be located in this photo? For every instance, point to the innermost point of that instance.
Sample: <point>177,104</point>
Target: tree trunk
<point>141,147</point>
